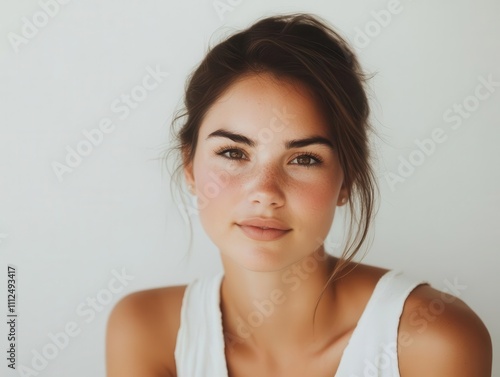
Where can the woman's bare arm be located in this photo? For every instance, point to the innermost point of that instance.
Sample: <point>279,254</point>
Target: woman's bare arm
<point>141,332</point>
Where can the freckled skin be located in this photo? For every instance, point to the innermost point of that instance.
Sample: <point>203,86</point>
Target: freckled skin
<point>271,181</point>
<point>267,180</point>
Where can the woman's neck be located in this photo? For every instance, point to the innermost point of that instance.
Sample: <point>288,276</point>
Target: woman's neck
<point>272,312</point>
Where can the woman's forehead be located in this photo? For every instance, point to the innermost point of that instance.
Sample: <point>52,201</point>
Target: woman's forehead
<point>263,101</point>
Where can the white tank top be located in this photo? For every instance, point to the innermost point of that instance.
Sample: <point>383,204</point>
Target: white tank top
<point>371,351</point>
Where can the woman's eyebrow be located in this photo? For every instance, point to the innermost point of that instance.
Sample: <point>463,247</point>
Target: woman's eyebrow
<point>296,143</point>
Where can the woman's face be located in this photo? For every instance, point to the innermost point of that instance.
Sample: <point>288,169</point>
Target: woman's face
<point>264,151</point>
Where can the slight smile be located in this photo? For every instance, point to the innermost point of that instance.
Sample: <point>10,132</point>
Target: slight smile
<point>263,233</point>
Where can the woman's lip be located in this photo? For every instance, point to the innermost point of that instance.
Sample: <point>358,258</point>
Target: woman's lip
<point>259,234</point>
<point>264,222</point>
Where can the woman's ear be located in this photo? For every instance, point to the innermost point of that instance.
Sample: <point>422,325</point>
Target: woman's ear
<point>187,168</point>
<point>343,195</point>
<point>188,174</point>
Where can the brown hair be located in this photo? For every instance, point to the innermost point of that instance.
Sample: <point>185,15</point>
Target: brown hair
<point>298,47</point>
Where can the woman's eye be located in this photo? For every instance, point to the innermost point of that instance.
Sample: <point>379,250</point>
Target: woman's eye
<point>232,154</point>
<point>308,160</point>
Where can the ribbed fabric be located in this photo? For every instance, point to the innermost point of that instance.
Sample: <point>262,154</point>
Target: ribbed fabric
<point>371,351</point>
<point>199,350</point>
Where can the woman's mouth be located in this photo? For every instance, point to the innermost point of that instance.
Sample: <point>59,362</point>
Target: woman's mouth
<point>262,233</point>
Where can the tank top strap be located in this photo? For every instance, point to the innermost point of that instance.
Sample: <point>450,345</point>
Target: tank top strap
<point>372,349</point>
<point>199,349</point>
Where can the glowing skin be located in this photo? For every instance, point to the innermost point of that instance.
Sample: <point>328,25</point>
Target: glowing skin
<point>235,181</point>
<point>265,180</point>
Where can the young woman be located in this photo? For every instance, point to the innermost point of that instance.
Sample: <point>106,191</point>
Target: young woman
<point>274,142</point>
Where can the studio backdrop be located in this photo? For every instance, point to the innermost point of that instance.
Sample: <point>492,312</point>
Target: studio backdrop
<point>88,209</point>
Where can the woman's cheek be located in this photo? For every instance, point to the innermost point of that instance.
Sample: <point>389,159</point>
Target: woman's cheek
<point>212,181</point>
<point>318,196</point>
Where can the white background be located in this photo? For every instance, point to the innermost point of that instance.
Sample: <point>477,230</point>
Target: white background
<point>114,210</point>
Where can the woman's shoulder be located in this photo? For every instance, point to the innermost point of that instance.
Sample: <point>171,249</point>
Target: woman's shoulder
<point>438,333</point>
<point>141,333</point>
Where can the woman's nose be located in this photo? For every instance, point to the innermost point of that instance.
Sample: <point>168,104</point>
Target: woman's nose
<point>266,188</point>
